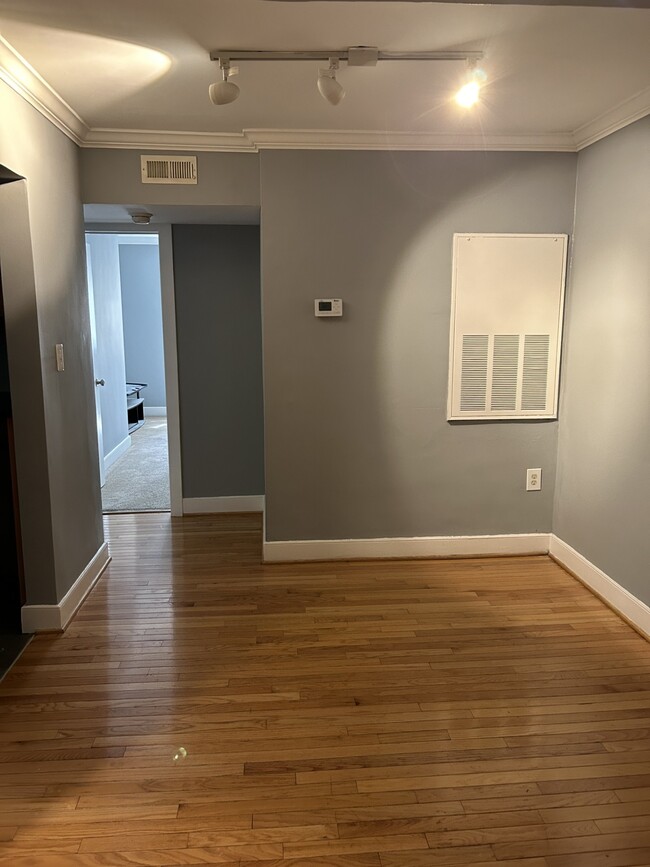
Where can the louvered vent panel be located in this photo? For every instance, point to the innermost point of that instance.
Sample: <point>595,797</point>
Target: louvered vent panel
<point>474,372</point>
<point>505,365</point>
<point>506,326</point>
<point>166,170</point>
<point>535,373</point>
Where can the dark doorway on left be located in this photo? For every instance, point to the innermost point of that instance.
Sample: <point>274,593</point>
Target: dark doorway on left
<point>12,585</point>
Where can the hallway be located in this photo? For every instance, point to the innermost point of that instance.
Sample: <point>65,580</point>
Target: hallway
<point>204,709</point>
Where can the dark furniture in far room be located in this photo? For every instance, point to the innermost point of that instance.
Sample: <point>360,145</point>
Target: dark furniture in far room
<point>134,405</point>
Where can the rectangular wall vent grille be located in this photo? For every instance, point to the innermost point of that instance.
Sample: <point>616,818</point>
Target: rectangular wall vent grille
<point>505,366</point>
<point>506,326</point>
<point>168,170</point>
<point>474,379</point>
<point>535,372</point>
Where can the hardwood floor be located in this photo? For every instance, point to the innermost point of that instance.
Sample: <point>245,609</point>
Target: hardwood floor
<point>204,709</point>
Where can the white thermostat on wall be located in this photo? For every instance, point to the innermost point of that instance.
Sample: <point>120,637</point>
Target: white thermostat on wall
<point>328,307</point>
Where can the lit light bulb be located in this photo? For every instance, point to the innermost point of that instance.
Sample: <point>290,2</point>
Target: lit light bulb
<point>469,93</point>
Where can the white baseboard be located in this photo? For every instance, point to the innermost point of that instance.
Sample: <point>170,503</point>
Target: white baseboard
<point>55,618</point>
<point>117,452</point>
<point>218,505</point>
<point>630,608</point>
<point>418,546</point>
<point>158,411</point>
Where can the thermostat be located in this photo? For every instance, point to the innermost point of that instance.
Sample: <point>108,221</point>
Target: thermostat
<point>328,307</point>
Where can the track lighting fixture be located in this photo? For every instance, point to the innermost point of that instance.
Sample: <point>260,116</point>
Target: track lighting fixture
<point>224,91</point>
<point>330,89</point>
<point>328,86</point>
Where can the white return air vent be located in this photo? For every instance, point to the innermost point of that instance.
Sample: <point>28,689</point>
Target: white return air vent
<point>168,170</point>
<point>506,326</point>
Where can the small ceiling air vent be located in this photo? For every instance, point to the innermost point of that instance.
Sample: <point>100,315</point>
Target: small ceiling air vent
<point>168,170</point>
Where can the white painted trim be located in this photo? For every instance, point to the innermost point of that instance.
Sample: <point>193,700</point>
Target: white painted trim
<point>417,546</point>
<point>622,115</point>
<point>636,612</point>
<point>155,411</point>
<point>116,453</point>
<point>305,139</point>
<point>255,140</point>
<point>167,290</point>
<point>176,140</point>
<point>55,618</point>
<point>20,76</point>
<point>218,505</point>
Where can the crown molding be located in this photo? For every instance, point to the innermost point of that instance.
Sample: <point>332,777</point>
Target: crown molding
<point>255,140</point>
<point>17,73</point>
<point>625,113</point>
<point>169,140</point>
<point>275,139</point>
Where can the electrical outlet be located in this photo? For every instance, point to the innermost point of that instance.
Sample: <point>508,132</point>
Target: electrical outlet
<point>534,480</point>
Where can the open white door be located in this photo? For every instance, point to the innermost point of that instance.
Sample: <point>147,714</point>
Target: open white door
<point>98,380</point>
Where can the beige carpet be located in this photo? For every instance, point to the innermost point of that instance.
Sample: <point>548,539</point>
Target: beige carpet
<point>139,480</point>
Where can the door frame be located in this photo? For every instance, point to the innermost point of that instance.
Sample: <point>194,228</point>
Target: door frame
<point>168,297</point>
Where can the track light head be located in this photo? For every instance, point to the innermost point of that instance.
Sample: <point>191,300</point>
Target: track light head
<point>224,91</point>
<point>328,86</point>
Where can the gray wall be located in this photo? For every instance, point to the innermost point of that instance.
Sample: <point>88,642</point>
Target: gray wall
<point>32,147</point>
<point>142,319</point>
<point>109,361</point>
<point>112,176</point>
<point>26,388</point>
<point>357,442</point>
<point>603,483</point>
<point>217,283</point>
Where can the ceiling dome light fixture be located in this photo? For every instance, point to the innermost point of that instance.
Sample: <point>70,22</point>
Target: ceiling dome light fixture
<point>224,91</point>
<point>141,218</point>
<point>329,88</point>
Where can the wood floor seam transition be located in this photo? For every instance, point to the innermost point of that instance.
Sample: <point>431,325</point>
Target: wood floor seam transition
<point>203,708</point>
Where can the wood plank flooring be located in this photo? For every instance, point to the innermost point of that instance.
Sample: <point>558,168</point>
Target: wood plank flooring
<point>205,709</point>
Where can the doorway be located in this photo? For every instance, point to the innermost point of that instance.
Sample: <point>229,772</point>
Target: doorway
<point>12,581</point>
<point>124,286</point>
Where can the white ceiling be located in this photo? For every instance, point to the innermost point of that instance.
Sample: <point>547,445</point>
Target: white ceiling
<point>125,65</point>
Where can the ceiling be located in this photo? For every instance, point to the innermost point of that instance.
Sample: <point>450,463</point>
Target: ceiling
<point>213,214</point>
<point>123,73</point>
